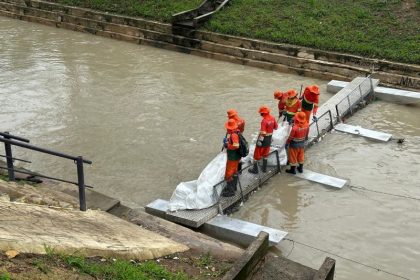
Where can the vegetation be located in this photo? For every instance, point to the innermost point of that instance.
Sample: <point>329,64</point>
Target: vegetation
<point>373,28</point>
<point>161,10</point>
<point>388,29</point>
<point>55,265</point>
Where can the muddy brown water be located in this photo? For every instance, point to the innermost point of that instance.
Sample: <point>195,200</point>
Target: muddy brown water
<point>150,118</point>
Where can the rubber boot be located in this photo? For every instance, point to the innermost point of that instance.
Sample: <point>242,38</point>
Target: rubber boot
<point>264,167</point>
<point>228,191</point>
<point>292,170</point>
<point>254,169</point>
<point>300,168</point>
<point>235,183</point>
<point>240,167</point>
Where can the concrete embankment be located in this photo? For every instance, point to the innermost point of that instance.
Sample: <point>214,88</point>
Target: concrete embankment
<point>31,228</point>
<point>266,55</point>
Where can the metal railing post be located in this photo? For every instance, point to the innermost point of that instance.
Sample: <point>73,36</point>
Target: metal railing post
<point>9,159</point>
<point>278,161</point>
<point>81,183</point>
<point>338,114</point>
<point>331,121</point>
<point>348,100</point>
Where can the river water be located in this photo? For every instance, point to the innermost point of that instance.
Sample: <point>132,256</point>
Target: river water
<point>150,118</point>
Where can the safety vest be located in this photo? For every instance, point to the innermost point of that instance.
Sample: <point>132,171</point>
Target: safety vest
<point>310,100</point>
<point>298,135</point>
<point>292,107</point>
<point>233,146</point>
<point>268,125</point>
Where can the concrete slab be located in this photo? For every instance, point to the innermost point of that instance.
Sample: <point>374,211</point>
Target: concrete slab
<point>322,179</point>
<point>360,131</point>
<point>29,228</point>
<point>393,95</point>
<point>239,231</point>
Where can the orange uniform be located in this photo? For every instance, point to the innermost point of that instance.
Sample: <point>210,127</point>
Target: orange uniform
<point>268,125</point>
<point>310,101</point>
<point>281,97</point>
<point>296,142</point>
<point>232,114</point>
<point>240,122</point>
<point>233,156</point>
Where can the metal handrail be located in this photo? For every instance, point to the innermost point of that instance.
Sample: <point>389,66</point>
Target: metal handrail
<point>260,182</point>
<point>10,136</point>
<point>8,143</point>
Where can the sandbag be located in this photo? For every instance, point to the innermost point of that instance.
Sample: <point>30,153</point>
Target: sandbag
<point>199,194</point>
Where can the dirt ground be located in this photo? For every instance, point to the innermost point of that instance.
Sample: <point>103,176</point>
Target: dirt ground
<point>43,267</point>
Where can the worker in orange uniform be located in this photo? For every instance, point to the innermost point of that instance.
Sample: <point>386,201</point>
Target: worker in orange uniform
<point>296,143</point>
<point>262,149</point>
<point>292,106</point>
<point>281,97</point>
<point>231,143</point>
<point>233,114</point>
<point>310,101</point>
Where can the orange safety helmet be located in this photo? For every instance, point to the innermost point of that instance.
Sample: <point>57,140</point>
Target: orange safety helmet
<point>231,113</point>
<point>231,124</point>
<point>300,117</point>
<point>264,110</point>
<point>278,94</point>
<point>314,89</point>
<point>291,93</point>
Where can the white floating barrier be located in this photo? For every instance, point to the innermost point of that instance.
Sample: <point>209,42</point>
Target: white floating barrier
<point>367,133</point>
<point>322,179</point>
<point>239,231</point>
<point>398,96</point>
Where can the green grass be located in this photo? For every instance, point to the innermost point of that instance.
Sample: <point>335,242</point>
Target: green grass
<point>387,29</point>
<point>161,10</point>
<point>372,28</point>
<point>122,270</point>
<point>4,276</point>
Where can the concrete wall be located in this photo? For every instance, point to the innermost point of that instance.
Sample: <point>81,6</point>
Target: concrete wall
<point>278,57</point>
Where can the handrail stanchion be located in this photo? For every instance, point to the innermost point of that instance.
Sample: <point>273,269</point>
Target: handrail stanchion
<point>348,100</point>
<point>9,158</point>
<point>338,114</point>
<point>81,183</point>
<point>331,121</point>
<point>278,161</point>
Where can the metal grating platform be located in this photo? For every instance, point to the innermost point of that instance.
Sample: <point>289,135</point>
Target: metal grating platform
<point>330,112</point>
<point>196,218</point>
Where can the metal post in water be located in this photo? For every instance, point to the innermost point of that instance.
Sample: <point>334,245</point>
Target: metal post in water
<point>81,183</point>
<point>9,159</point>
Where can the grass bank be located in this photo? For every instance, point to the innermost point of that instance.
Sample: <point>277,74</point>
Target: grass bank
<point>385,29</point>
<point>61,266</point>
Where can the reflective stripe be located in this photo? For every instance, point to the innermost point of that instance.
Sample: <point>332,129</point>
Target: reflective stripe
<point>299,139</point>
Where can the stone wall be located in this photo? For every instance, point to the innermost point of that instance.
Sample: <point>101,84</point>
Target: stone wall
<point>278,57</point>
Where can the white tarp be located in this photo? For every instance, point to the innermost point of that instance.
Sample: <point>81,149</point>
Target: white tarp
<point>199,194</point>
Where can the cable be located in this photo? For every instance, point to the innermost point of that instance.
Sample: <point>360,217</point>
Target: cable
<point>291,250</point>
<point>385,193</point>
<point>347,259</point>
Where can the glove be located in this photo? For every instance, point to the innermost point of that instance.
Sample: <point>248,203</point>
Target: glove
<point>314,118</point>
<point>225,142</point>
<point>260,141</point>
<point>286,146</point>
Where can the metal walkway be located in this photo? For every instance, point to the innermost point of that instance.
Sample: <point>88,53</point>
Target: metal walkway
<point>340,105</point>
<point>195,218</point>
